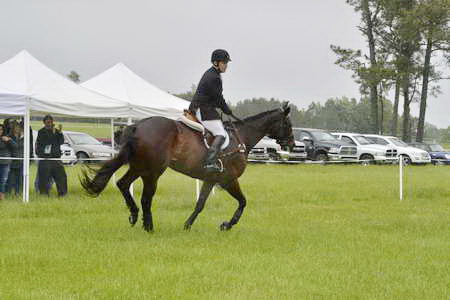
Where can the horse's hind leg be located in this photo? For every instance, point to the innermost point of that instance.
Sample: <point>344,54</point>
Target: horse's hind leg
<point>234,190</point>
<point>150,184</point>
<point>204,193</point>
<point>124,185</point>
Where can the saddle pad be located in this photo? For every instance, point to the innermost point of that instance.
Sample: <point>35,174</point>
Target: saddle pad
<point>192,124</point>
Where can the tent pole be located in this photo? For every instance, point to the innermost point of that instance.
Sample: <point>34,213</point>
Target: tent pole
<point>129,122</point>
<point>26,154</point>
<point>112,146</point>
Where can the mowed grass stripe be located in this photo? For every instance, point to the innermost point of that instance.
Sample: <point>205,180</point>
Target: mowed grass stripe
<point>308,231</point>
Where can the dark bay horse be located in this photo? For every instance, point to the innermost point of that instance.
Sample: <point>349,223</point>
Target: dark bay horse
<point>153,144</point>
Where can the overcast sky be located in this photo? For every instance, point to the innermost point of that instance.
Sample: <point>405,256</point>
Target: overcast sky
<point>279,48</point>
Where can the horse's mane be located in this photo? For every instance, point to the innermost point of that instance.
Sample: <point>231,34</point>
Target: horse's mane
<point>251,118</point>
<point>260,115</point>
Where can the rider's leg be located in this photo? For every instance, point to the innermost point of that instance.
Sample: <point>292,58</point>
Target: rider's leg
<point>211,157</point>
<point>217,129</point>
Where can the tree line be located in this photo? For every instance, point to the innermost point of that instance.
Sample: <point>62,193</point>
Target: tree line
<point>336,114</point>
<point>407,40</point>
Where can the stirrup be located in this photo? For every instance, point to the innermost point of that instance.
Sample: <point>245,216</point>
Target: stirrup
<point>214,167</point>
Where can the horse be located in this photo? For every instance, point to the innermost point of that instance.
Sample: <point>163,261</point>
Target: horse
<point>153,144</point>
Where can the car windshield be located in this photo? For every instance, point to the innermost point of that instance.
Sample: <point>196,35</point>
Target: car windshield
<point>398,142</point>
<point>420,146</point>
<point>83,139</point>
<point>436,148</point>
<point>323,136</point>
<point>362,140</point>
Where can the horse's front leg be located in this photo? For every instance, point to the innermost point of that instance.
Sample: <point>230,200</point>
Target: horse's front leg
<point>234,190</point>
<point>204,193</point>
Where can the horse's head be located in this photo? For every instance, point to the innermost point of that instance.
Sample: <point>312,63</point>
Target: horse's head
<point>281,128</point>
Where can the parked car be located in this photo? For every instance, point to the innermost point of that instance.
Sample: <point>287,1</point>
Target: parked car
<point>409,154</point>
<point>437,153</point>
<point>86,146</point>
<point>268,148</point>
<point>67,153</point>
<point>321,145</point>
<point>368,150</point>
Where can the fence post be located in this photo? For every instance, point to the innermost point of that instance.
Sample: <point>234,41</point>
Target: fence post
<point>400,164</point>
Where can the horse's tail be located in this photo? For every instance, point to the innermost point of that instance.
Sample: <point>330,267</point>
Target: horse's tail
<point>93,180</point>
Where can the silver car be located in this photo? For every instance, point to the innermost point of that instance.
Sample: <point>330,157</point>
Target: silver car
<point>87,147</point>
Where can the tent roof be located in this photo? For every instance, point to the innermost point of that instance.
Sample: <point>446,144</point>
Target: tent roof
<point>48,91</point>
<point>11,103</point>
<point>121,83</point>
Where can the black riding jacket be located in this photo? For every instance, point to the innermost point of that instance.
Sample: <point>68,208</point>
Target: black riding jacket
<point>209,96</point>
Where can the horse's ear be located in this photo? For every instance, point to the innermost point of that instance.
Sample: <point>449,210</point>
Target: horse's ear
<point>286,108</point>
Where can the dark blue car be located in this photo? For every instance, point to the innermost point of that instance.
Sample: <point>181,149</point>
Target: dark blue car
<point>437,153</point>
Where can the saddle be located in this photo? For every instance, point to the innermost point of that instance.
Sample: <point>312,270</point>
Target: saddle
<point>191,121</point>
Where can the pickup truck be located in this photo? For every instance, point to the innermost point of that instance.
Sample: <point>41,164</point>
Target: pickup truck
<point>322,146</point>
<point>268,148</point>
<point>368,150</point>
<point>410,155</point>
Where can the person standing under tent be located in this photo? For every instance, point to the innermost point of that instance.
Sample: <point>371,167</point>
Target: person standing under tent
<point>15,178</point>
<point>48,145</point>
<point>207,98</point>
<point>7,146</point>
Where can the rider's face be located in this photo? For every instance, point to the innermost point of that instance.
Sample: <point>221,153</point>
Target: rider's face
<point>222,66</point>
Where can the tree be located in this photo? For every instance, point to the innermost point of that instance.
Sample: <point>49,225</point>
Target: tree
<point>433,16</point>
<point>366,69</point>
<point>74,76</point>
<point>401,38</point>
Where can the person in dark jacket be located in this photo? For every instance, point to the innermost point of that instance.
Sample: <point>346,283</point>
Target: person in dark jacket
<point>6,148</point>
<point>48,145</point>
<point>15,177</point>
<point>206,100</point>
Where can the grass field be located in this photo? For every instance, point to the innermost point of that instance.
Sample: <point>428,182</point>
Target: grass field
<point>309,231</point>
<point>98,130</point>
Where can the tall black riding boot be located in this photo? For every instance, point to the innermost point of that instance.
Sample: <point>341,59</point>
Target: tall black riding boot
<point>211,157</point>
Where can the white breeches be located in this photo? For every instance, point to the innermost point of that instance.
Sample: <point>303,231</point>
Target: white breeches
<point>215,126</point>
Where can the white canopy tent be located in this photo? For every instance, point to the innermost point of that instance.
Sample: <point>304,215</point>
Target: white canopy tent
<point>12,103</point>
<point>49,92</point>
<point>121,83</point>
<point>28,85</point>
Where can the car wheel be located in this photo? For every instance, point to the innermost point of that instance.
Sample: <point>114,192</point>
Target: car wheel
<point>367,158</point>
<point>274,156</point>
<point>321,157</point>
<point>406,160</point>
<point>81,156</point>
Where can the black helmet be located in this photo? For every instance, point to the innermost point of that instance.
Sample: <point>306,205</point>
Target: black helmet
<point>220,55</point>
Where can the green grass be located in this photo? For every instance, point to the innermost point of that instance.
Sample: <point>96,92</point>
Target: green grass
<point>98,130</point>
<point>309,231</point>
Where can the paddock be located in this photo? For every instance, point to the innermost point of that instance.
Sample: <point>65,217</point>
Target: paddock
<point>327,231</point>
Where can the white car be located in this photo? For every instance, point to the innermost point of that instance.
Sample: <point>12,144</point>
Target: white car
<point>409,154</point>
<point>268,148</point>
<point>367,149</point>
<point>87,147</point>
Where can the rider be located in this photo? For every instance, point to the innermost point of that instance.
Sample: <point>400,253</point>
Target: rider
<point>207,98</point>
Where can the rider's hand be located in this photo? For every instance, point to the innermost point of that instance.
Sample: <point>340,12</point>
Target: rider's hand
<point>227,111</point>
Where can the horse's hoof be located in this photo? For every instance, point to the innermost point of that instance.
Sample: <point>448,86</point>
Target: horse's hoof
<point>148,229</point>
<point>225,226</point>
<point>133,219</point>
